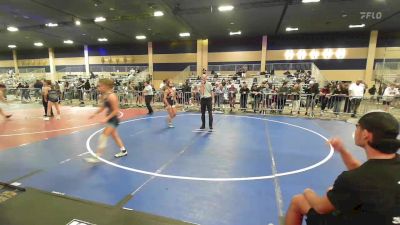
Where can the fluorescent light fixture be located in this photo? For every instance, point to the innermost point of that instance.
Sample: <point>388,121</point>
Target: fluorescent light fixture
<point>38,44</point>
<point>102,39</point>
<point>77,22</point>
<point>314,54</point>
<point>357,25</point>
<point>12,46</point>
<point>186,34</point>
<point>69,42</point>
<point>158,13</point>
<point>289,54</point>
<point>140,37</point>
<point>235,33</point>
<point>301,54</point>
<point>51,24</point>
<point>327,53</point>
<point>288,29</point>
<point>12,29</point>
<point>99,19</point>
<point>310,1</point>
<point>224,8</point>
<point>340,53</point>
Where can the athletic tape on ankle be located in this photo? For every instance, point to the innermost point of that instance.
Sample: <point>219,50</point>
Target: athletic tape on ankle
<point>102,141</point>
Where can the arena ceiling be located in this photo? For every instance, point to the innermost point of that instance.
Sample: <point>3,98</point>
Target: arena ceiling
<point>126,19</point>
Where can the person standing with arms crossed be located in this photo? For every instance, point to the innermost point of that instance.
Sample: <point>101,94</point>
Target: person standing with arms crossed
<point>148,96</point>
<point>206,102</point>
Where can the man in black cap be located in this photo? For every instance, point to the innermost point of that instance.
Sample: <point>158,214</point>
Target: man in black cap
<point>367,193</point>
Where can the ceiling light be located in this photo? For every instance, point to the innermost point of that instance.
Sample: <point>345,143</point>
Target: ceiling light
<point>327,53</point>
<point>140,37</point>
<point>340,53</point>
<point>99,19</point>
<point>77,22</point>
<point>12,46</point>
<point>289,54</point>
<point>102,39</point>
<point>235,33</point>
<point>224,8</point>
<point>288,29</point>
<point>70,42</point>
<point>158,13</point>
<point>12,29</point>
<point>51,25</point>
<point>186,34</point>
<point>310,1</point>
<point>314,54</point>
<point>38,44</point>
<point>357,25</point>
<point>301,54</point>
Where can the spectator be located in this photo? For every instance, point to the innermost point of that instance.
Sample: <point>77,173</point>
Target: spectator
<point>265,97</point>
<point>339,94</point>
<point>296,98</point>
<point>365,194</point>
<point>244,94</point>
<point>324,96</point>
<point>186,89</point>
<point>312,91</point>
<point>388,96</point>
<point>256,94</point>
<point>62,90</point>
<point>162,85</point>
<point>38,87</point>
<point>372,91</point>
<point>232,96</point>
<point>356,93</point>
<point>219,95</point>
<point>282,96</point>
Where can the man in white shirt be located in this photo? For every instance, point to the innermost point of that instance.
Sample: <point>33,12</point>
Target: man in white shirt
<point>388,96</point>
<point>148,96</point>
<point>206,101</point>
<point>162,85</point>
<point>356,93</point>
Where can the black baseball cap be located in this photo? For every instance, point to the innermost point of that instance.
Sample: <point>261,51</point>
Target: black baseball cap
<point>385,129</point>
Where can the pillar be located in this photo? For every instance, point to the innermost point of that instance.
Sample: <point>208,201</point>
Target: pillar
<point>369,70</point>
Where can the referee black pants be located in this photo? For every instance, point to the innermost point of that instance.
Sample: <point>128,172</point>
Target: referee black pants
<point>206,104</point>
<point>147,100</point>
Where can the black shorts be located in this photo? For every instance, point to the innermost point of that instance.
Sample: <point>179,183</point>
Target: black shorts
<point>54,100</point>
<point>113,122</point>
<point>386,103</point>
<point>314,218</point>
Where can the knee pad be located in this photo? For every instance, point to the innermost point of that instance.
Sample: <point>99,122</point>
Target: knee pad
<point>102,141</point>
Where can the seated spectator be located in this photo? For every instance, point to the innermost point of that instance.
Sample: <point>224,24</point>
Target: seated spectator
<point>388,96</point>
<point>367,193</point>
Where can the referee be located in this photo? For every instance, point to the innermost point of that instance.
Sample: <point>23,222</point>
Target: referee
<point>148,96</point>
<point>206,102</point>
